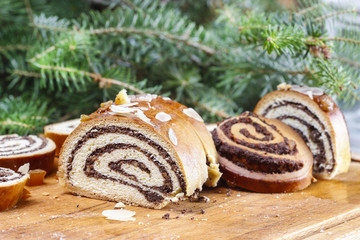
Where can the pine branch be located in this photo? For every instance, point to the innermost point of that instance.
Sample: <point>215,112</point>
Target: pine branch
<point>22,116</point>
<point>334,14</point>
<point>15,47</point>
<point>29,10</point>
<point>182,39</point>
<point>309,9</point>
<point>104,82</point>
<point>341,39</point>
<point>26,73</point>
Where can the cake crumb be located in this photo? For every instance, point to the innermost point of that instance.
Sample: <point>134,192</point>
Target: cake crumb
<point>166,216</point>
<point>192,218</point>
<point>204,199</point>
<point>45,194</point>
<point>228,192</point>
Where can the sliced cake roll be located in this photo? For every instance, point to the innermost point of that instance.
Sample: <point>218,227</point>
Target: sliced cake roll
<point>142,150</point>
<point>12,185</point>
<point>16,151</point>
<point>317,119</point>
<point>262,155</point>
<point>58,132</point>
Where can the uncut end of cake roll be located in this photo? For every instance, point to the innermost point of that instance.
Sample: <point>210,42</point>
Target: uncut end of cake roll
<point>12,185</point>
<point>16,151</point>
<point>262,155</point>
<point>142,150</point>
<point>317,119</point>
<point>58,132</point>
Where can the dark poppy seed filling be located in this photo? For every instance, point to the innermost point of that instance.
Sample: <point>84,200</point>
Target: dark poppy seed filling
<point>11,145</point>
<point>117,165</point>
<point>7,175</point>
<point>265,150</point>
<point>313,135</point>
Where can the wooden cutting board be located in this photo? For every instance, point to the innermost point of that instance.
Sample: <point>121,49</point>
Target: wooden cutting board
<point>327,209</point>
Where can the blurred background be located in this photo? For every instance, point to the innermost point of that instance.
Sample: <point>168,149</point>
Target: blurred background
<point>60,59</point>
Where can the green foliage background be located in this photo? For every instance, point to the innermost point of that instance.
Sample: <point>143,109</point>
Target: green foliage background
<point>59,59</point>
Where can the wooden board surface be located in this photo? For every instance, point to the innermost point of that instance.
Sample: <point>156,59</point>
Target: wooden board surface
<point>325,210</point>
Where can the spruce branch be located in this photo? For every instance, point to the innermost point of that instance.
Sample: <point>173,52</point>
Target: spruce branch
<point>26,73</point>
<point>29,10</point>
<point>104,82</point>
<point>15,47</point>
<point>334,14</point>
<point>150,33</point>
<point>341,39</point>
<point>216,112</point>
<point>22,115</point>
<point>309,9</point>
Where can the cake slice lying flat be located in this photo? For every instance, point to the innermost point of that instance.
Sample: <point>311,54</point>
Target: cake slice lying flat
<point>262,155</point>
<point>16,151</point>
<point>317,119</point>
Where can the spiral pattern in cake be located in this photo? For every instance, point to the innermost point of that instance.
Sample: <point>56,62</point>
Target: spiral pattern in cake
<point>317,119</point>
<point>142,153</point>
<point>17,150</point>
<point>262,155</point>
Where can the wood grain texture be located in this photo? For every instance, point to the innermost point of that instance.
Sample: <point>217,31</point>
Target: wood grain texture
<point>328,208</point>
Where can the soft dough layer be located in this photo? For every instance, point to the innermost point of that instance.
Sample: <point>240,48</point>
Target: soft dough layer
<point>139,153</point>
<point>318,120</point>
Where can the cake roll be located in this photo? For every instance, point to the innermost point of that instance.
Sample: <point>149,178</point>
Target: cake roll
<point>12,185</point>
<point>16,151</point>
<point>317,119</point>
<point>58,132</point>
<point>262,155</point>
<point>144,150</point>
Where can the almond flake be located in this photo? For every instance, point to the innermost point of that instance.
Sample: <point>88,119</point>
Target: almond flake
<point>120,110</point>
<point>193,114</point>
<point>120,205</point>
<point>24,169</point>
<point>119,215</point>
<point>147,97</point>
<point>305,90</point>
<point>140,114</point>
<point>164,117</point>
<point>172,136</point>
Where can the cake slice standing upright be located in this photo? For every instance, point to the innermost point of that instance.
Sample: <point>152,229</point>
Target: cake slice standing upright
<point>317,119</point>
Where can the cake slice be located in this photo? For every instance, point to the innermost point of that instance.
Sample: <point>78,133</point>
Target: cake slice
<point>58,132</point>
<point>317,119</point>
<point>16,151</point>
<point>262,155</point>
<point>12,185</point>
